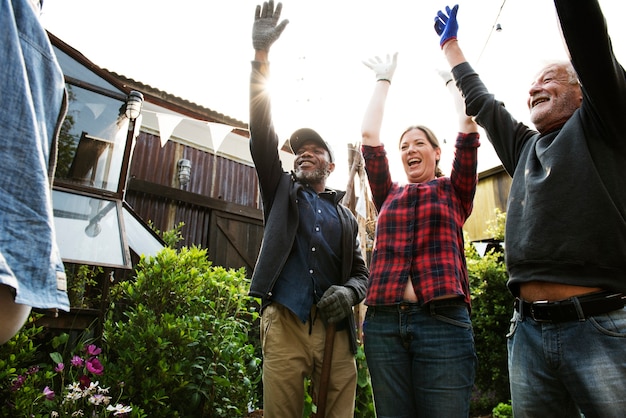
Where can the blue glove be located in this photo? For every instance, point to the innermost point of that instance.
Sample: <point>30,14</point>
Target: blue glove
<point>446,26</point>
<point>336,303</point>
<point>266,28</point>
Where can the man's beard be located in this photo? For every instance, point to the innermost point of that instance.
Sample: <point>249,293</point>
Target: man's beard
<point>312,177</point>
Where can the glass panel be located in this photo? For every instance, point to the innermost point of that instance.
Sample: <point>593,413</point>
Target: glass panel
<point>92,140</point>
<point>88,230</point>
<point>74,69</point>
<point>140,239</point>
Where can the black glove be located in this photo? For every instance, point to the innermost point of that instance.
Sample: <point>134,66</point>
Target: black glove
<point>265,29</point>
<point>336,303</point>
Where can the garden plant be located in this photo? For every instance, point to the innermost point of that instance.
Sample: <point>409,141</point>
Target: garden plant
<point>180,339</point>
<point>58,378</point>
<point>177,334</point>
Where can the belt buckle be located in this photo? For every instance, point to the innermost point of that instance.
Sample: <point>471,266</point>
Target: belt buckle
<point>538,303</point>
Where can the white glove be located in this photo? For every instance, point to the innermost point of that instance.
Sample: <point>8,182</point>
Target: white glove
<point>446,75</point>
<point>457,98</point>
<point>383,70</point>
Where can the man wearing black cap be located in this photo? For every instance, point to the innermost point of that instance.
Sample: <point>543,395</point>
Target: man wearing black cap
<point>310,271</point>
<point>307,139</point>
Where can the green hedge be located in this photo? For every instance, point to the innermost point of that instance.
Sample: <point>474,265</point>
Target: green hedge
<point>177,335</point>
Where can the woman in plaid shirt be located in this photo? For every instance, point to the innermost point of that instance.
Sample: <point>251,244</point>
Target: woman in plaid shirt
<point>418,335</point>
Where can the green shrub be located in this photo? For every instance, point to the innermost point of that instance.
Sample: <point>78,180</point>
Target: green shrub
<point>502,410</point>
<point>492,305</point>
<point>172,237</point>
<point>84,290</point>
<point>16,356</point>
<point>177,336</point>
<point>364,407</point>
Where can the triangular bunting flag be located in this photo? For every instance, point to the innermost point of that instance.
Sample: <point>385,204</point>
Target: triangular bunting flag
<point>481,247</point>
<point>361,206</point>
<point>218,133</point>
<point>167,124</point>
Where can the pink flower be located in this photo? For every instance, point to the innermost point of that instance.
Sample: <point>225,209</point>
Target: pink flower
<point>59,367</point>
<point>17,383</point>
<point>94,366</point>
<point>84,381</point>
<point>49,394</point>
<point>77,361</point>
<point>93,350</point>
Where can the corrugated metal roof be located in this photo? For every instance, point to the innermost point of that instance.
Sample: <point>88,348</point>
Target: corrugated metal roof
<point>151,94</point>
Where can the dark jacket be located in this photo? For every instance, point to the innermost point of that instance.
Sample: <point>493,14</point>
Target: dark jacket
<point>566,215</point>
<point>280,209</point>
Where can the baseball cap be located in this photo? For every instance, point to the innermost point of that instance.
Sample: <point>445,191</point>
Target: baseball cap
<point>308,135</point>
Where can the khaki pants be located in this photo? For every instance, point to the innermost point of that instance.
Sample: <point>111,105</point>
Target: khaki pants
<point>291,353</point>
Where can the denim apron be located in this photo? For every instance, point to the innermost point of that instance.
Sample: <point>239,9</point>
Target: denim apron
<point>33,103</point>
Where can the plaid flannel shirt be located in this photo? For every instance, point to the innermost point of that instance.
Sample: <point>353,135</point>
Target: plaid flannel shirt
<point>419,231</point>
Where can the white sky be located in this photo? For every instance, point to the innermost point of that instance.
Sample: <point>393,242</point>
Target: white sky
<point>200,50</point>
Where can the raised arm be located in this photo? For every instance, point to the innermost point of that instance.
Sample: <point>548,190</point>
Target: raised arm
<point>466,123</point>
<point>447,28</point>
<point>263,138</point>
<point>602,77</point>
<point>373,118</point>
<point>266,29</point>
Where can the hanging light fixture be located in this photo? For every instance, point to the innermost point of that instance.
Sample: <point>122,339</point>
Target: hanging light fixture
<point>132,112</point>
<point>184,172</point>
<point>133,104</point>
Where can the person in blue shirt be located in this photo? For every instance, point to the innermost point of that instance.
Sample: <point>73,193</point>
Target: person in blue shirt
<point>310,271</point>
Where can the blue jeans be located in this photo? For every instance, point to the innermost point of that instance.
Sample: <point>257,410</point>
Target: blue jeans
<point>422,361</point>
<point>568,368</point>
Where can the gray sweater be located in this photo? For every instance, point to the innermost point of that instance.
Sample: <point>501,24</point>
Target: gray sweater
<point>566,215</point>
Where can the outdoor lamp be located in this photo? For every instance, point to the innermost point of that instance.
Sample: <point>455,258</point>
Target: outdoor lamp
<point>132,112</point>
<point>184,171</point>
<point>133,104</point>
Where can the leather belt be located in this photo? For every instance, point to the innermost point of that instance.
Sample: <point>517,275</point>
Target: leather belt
<point>577,308</point>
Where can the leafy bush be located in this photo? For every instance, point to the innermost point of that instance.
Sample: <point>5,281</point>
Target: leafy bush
<point>171,237</point>
<point>492,305</point>
<point>502,410</point>
<point>364,407</point>
<point>177,336</point>
<point>84,289</point>
<point>16,356</point>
